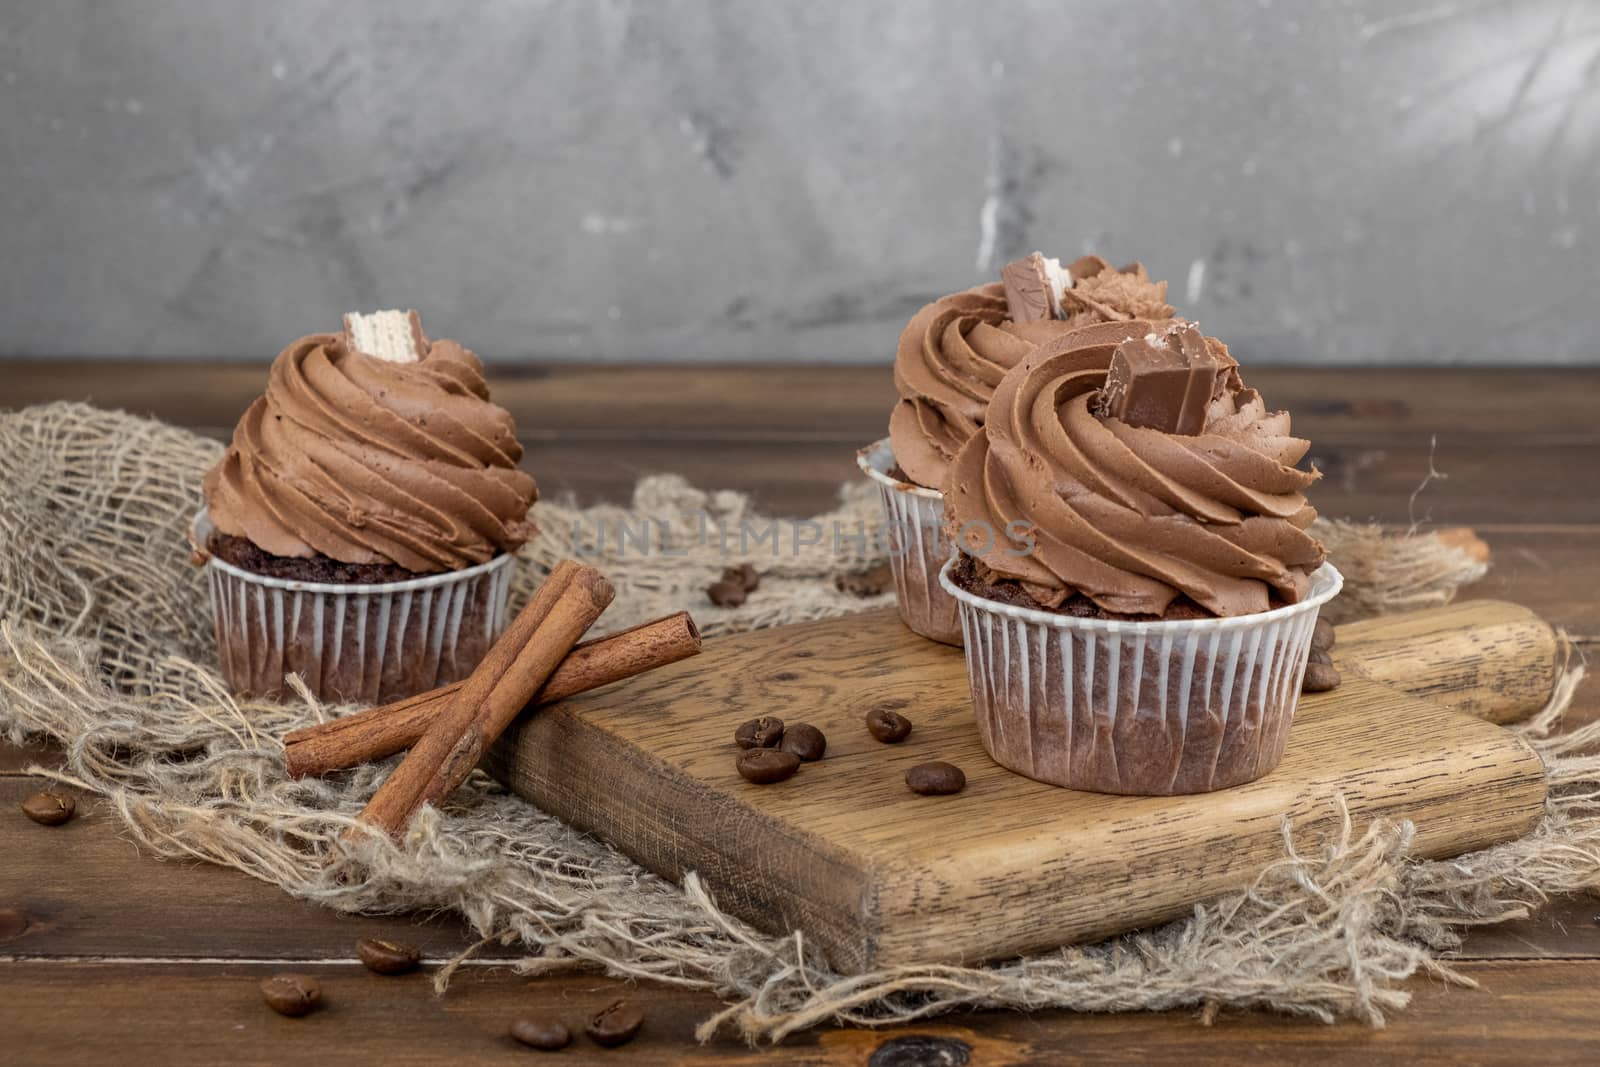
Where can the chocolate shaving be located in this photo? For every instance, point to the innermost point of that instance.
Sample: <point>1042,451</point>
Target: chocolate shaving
<point>1100,293</point>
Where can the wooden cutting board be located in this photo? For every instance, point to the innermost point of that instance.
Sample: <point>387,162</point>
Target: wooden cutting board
<point>876,876</point>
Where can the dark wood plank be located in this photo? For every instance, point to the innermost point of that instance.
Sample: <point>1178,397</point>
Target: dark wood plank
<point>13,758</point>
<point>88,1012</point>
<point>1565,928</point>
<point>590,401</point>
<point>1507,441</point>
<point>87,892</point>
<point>1553,569</point>
<point>1354,403</point>
<point>1485,483</point>
<point>732,401</point>
<point>1484,480</point>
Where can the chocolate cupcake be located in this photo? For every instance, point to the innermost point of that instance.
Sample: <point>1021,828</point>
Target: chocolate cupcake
<point>1137,586</point>
<point>951,356</point>
<point>359,528</point>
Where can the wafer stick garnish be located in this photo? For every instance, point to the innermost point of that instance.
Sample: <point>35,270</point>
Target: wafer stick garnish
<point>392,336</point>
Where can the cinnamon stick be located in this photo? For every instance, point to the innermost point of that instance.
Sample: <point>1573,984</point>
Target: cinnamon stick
<point>516,668</point>
<point>382,731</point>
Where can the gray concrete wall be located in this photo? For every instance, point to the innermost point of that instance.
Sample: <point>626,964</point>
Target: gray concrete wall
<point>1413,181</point>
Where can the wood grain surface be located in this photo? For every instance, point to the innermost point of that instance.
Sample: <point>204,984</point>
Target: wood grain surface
<point>88,1012</point>
<point>1486,658</point>
<point>878,876</point>
<point>141,962</point>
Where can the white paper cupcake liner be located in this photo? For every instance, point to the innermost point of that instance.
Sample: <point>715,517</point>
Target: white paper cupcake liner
<point>357,643</point>
<point>919,547</point>
<point>1142,708</point>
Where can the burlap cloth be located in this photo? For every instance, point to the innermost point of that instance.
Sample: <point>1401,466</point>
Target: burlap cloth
<point>106,649</point>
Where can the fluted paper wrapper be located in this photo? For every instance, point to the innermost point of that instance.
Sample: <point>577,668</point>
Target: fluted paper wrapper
<point>918,547</point>
<point>1141,708</point>
<point>367,644</point>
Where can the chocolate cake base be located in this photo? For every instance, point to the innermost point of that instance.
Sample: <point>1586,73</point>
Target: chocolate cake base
<point>970,575</point>
<point>246,555</point>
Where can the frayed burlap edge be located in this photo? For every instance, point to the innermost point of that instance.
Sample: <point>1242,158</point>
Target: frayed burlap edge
<point>104,646</point>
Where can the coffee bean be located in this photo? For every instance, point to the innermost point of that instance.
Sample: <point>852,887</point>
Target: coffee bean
<point>387,957</point>
<point>805,741</point>
<point>13,922</point>
<point>1318,655</point>
<point>887,726</point>
<point>1323,634</point>
<point>49,808</point>
<point>291,994</point>
<point>744,575</point>
<point>547,1035</point>
<point>765,732</point>
<point>1320,677</point>
<point>936,779</point>
<point>764,766</point>
<point>726,594</point>
<point>615,1025</point>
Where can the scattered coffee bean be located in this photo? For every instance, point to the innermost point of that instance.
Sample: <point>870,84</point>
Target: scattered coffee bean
<point>617,1024</point>
<point>1320,677</point>
<point>387,957</point>
<point>765,732</point>
<point>888,726</point>
<point>49,808</point>
<point>1318,655</point>
<point>744,575</point>
<point>805,741</point>
<point>547,1035</point>
<point>1323,634</point>
<point>726,594</point>
<point>936,779</point>
<point>13,922</point>
<point>764,766</point>
<point>291,994</point>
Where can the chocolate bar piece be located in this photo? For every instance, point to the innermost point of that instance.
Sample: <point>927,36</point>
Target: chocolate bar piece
<point>1033,287</point>
<point>1163,381</point>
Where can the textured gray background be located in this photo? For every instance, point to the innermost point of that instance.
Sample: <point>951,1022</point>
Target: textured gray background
<point>1413,181</point>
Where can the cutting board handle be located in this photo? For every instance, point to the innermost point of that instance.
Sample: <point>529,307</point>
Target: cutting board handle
<point>1487,658</point>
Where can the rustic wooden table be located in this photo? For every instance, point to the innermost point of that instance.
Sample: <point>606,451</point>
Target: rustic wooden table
<point>110,955</point>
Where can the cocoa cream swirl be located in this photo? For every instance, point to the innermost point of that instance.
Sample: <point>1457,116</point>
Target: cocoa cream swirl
<point>1132,517</point>
<point>368,461</point>
<point>951,356</point>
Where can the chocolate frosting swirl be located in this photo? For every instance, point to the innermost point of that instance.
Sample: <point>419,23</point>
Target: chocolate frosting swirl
<point>955,350</point>
<point>369,461</point>
<point>952,354</point>
<point>1132,517</point>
